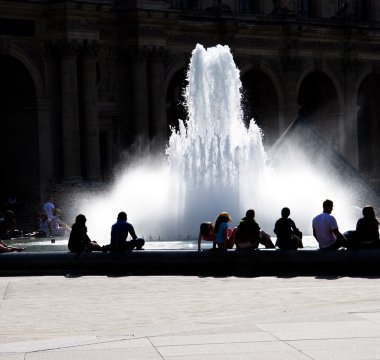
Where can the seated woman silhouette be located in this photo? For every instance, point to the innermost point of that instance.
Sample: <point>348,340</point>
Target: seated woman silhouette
<point>289,237</point>
<point>224,236</point>
<point>79,240</point>
<point>366,235</point>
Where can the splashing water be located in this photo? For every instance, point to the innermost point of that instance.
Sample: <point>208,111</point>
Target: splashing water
<point>221,163</point>
<point>213,163</point>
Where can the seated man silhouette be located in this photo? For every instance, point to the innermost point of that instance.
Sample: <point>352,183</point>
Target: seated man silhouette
<point>119,234</point>
<point>326,231</point>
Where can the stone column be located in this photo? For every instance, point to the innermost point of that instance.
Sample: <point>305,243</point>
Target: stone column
<point>140,91</point>
<point>44,145</point>
<point>350,146</point>
<point>70,112</point>
<point>159,126</point>
<point>90,113</point>
<point>290,66</point>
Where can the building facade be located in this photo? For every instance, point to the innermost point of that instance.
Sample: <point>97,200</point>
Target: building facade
<point>83,81</point>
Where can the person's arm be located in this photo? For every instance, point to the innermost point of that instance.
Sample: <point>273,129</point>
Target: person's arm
<point>293,226</point>
<point>338,234</point>
<point>4,248</point>
<point>275,230</point>
<point>131,230</point>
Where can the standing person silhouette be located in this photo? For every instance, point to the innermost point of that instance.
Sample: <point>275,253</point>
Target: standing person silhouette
<point>49,207</point>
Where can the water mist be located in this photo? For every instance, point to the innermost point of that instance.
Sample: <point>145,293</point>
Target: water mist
<point>213,163</point>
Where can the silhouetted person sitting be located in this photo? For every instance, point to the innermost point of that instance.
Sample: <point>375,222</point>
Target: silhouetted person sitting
<point>206,233</point>
<point>79,240</point>
<point>5,248</point>
<point>8,226</point>
<point>288,235</point>
<point>249,235</point>
<point>119,234</point>
<point>224,235</point>
<point>366,235</point>
<point>325,229</point>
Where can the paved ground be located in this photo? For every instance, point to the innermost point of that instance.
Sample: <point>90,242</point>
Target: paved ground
<point>76,318</point>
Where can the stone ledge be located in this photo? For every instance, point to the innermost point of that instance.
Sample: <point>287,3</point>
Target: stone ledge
<point>190,262</point>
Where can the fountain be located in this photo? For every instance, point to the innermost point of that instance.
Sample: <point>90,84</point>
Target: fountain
<point>214,163</point>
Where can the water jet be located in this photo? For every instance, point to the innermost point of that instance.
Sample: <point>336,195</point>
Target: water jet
<point>215,163</point>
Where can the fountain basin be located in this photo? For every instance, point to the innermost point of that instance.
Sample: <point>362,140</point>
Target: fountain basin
<point>261,262</point>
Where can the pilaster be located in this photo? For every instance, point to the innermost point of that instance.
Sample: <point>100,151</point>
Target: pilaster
<point>90,112</point>
<point>70,111</point>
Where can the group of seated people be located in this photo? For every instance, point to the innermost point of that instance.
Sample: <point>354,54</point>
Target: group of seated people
<point>80,242</point>
<point>248,235</point>
<point>51,226</point>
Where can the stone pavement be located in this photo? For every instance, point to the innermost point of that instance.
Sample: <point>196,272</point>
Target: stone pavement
<point>186,317</point>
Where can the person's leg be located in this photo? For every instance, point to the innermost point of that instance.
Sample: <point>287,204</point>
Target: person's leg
<point>231,238</point>
<point>93,246</point>
<point>337,245</point>
<point>135,244</point>
<point>299,241</point>
<point>139,244</point>
<point>266,240</point>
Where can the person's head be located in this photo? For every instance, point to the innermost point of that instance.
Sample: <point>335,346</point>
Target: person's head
<point>285,212</point>
<point>327,206</point>
<point>250,214</point>
<point>368,212</point>
<point>224,217</point>
<point>122,216</point>
<point>206,228</point>
<point>80,219</point>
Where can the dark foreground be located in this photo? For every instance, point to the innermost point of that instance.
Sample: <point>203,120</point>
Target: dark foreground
<point>189,262</point>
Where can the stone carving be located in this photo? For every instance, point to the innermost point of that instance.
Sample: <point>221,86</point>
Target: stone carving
<point>292,63</point>
<point>280,6</point>
<point>72,23</point>
<point>68,47</point>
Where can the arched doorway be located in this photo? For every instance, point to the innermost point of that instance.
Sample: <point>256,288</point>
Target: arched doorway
<point>175,108</point>
<point>260,102</point>
<point>19,155</point>
<point>368,118</point>
<point>318,102</point>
